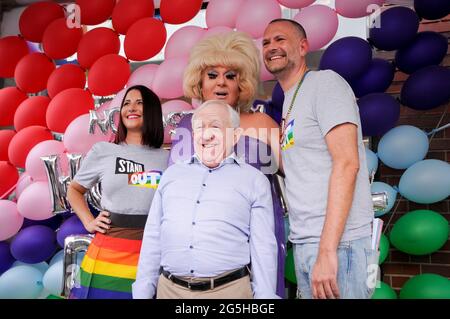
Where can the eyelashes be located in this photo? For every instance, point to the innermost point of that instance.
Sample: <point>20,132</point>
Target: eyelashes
<point>230,75</point>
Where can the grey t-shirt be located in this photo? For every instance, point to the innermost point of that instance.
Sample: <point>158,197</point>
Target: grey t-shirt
<point>129,175</point>
<point>324,101</point>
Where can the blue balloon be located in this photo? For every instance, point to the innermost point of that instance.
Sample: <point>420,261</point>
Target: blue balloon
<point>42,266</point>
<point>403,146</point>
<point>380,187</point>
<point>379,113</point>
<point>428,48</point>
<point>426,182</point>
<point>372,161</point>
<point>6,259</point>
<point>34,244</point>
<point>71,226</point>
<point>57,257</point>
<point>53,278</point>
<point>432,9</point>
<point>377,78</point>
<point>22,282</point>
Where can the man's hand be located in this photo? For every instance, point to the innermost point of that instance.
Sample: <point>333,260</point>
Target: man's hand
<point>324,276</point>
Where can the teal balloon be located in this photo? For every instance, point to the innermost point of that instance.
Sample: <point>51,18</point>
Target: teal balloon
<point>384,248</point>
<point>53,278</point>
<point>380,187</point>
<point>289,270</point>
<point>403,146</point>
<point>384,291</point>
<point>57,257</point>
<point>21,282</point>
<point>426,182</point>
<point>420,232</point>
<point>372,161</point>
<point>426,286</point>
<point>42,266</point>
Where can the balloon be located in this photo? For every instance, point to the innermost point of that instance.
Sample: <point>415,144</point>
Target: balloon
<point>216,30</point>
<point>379,113</point>
<point>384,292</point>
<point>255,15</point>
<point>24,141</point>
<point>289,270</point>
<point>6,259</point>
<point>278,96</point>
<point>24,181</point>
<point>53,222</point>
<point>9,177</point>
<point>34,166</point>
<point>380,187</point>
<point>426,182</point>
<point>35,202</point>
<point>384,248</point>
<point>53,278</point>
<point>144,39</point>
<point>42,266</point>
<point>31,112</point>
<point>264,74</point>
<point>10,99</point>
<point>10,219</point>
<point>66,77</point>
<point>143,75</point>
<point>372,161</point>
<point>126,12</point>
<point>377,78</point>
<point>420,232</point>
<point>357,9</point>
<point>12,49</point>
<point>34,244</point>
<point>57,257</point>
<point>222,13</point>
<point>394,28</point>
<point>36,17</point>
<point>5,138</point>
<point>320,23</point>
<point>95,44</point>
<point>179,11</point>
<point>72,226</point>
<point>108,75</point>
<point>183,40</point>
<point>168,80</point>
<point>32,72</point>
<point>296,4</point>
<point>432,9</point>
<point>427,88</point>
<point>349,56</point>
<point>61,41</point>
<point>426,286</point>
<point>22,282</point>
<point>403,146</point>
<point>95,12</point>
<point>169,107</point>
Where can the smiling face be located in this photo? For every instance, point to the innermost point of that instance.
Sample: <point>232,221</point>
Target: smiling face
<point>220,83</point>
<point>132,111</point>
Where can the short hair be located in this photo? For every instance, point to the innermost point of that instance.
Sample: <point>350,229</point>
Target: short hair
<point>233,115</point>
<point>301,31</point>
<point>152,127</point>
<point>235,50</point>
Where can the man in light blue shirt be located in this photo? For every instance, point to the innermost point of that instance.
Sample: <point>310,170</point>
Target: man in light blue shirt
<point>210,230</point>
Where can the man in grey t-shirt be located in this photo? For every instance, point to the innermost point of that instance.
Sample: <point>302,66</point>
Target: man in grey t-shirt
<point>327,182</point>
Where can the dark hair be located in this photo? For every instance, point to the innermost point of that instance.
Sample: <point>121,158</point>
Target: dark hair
<point>152,127</point>
<point>298,26</point>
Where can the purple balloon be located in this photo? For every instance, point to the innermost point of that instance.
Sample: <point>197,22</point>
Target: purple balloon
<point>52,222</point>
<point>349,56</point>
<point>34,244</point>
<point>72,226</point>
<point>427,88</point>
<point>278,96</point>
<point>377,78</point>
<point>432,9</point>
<point>6,259</point>
<point>396,28</point>
<point>379,113</point>
<point>428,48</point>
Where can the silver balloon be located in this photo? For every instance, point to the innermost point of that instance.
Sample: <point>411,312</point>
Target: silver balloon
<point>56,183</point>
<point>105,122</point>
<point>173,118</point>
<point>94,196</point>
<point>379,201</point>
<point>280,190</point>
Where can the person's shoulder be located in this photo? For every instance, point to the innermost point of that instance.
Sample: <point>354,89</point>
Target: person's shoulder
<point>102,148</point>
<point>257,120</point>
<point>251,172</point>
<point>329,77</point>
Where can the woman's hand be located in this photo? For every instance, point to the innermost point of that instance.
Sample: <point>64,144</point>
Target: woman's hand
<point>99,224</point>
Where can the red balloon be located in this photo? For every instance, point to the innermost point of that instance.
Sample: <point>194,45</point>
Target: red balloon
<point>32,72</point>
<point>9,177</point>
<point>36,17</point>
<point>144,39</point>
<point>12,49</point>
<point>67,106</point>
<point>5,137</point>
<point>108,75</point>
<point>179,11</point>
<point>95,12</point>
<point>60,41</point>
<point>10,99</point>
<point>126,12</point>
<point>95,44</point>
<point>65,77</point>
<point>31,112</point>
<point>22,143</point>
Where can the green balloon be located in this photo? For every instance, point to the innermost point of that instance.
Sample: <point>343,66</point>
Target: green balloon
<point>384,292</point>
<point>420,232</point>
<point>289,270</point>
<point>384,248</point>
<point>426,286</point>
<point>53,297</point>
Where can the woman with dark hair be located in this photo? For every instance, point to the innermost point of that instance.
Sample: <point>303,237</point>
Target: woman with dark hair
<point>129,171</point>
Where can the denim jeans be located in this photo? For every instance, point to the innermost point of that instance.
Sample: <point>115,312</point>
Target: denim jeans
<point>357,268</point>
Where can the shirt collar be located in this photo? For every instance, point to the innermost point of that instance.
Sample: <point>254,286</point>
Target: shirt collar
<point>230,159</point>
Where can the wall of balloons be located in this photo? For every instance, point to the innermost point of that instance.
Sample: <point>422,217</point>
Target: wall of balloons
<point>51,98</point>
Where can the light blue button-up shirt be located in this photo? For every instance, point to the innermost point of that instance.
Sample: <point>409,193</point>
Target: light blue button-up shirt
<point>206,221</point>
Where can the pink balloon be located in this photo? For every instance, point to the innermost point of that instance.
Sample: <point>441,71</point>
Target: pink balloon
<point>24,180</point>
<point>168,81</point>
<point>173,106</point>
<point>77,138</point>
<point>320,23</point>
<point>10,219</point>
<point>357,9</point>
<point>143,75</point>
<point>117,100</point>
<point>35,166</point>
<point>195,103</point>
<point>222,13</point>
<point>35,202</point>
<point>297,4</point>
<point>216,30</point>
<point>264,75</point>
<point>182,41</point>
<point>254,15</point>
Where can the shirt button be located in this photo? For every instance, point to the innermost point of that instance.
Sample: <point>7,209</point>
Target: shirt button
<point>210,170</point>
<point>198,202</point>
<point>192,271</point>
<point>204,184</point>
<point>193,223</point>
<point>191,246</point>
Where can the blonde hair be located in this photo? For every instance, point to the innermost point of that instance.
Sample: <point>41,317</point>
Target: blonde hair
<point>234,50</point>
